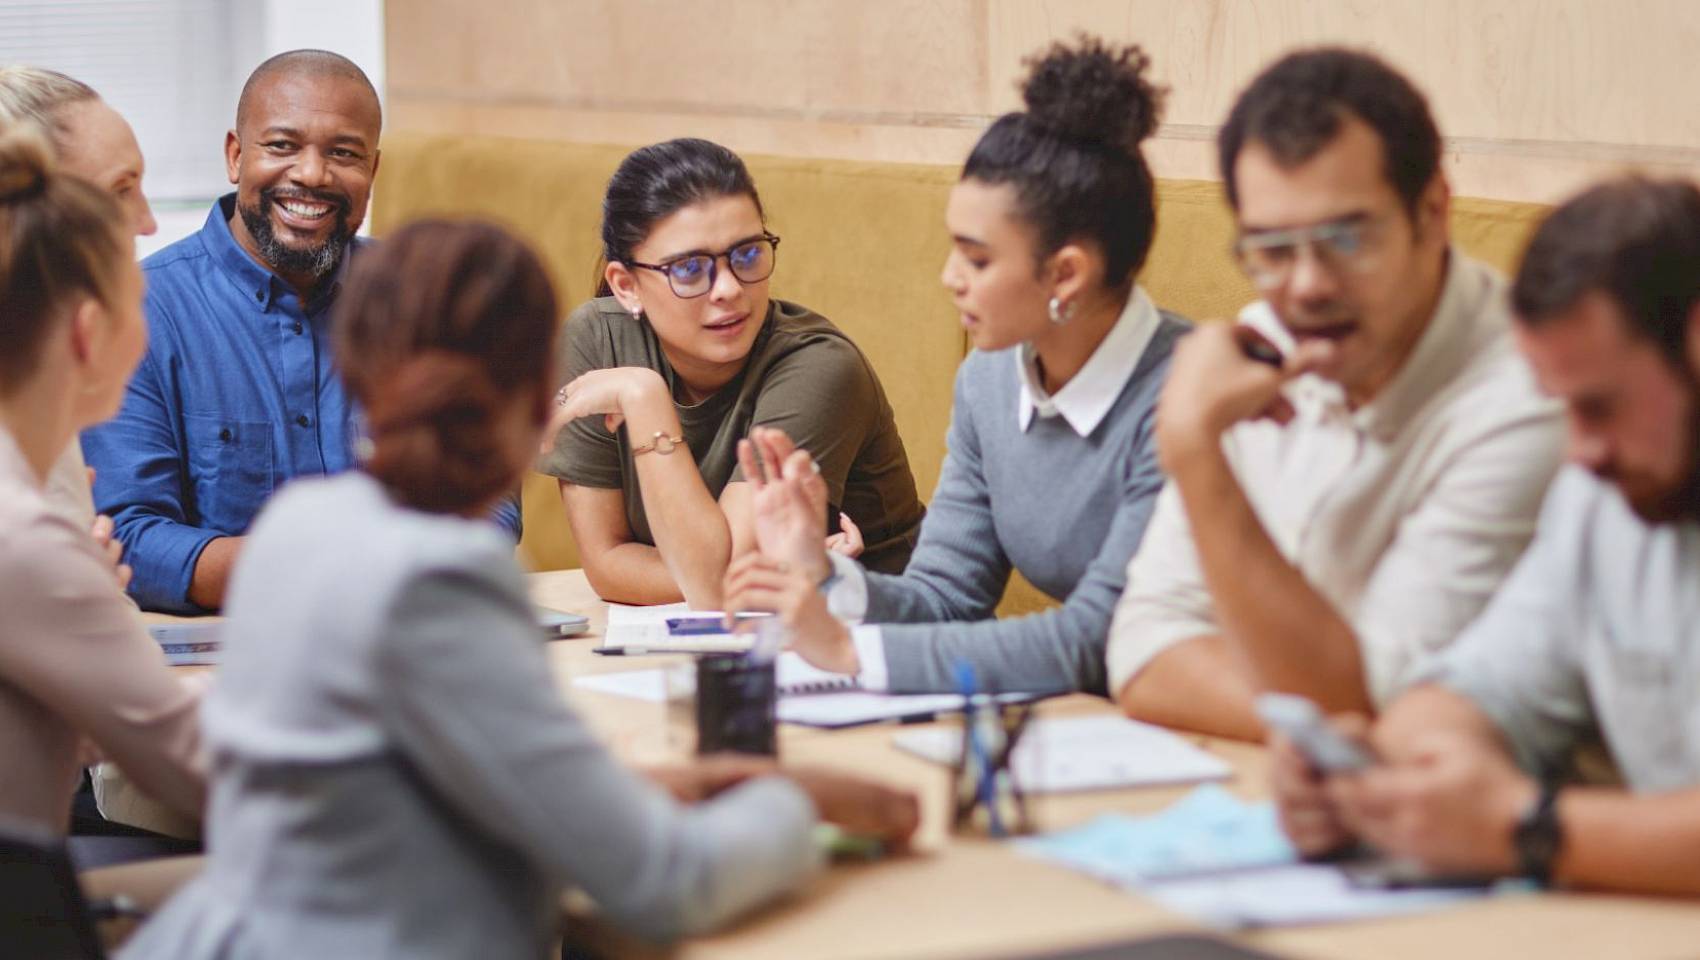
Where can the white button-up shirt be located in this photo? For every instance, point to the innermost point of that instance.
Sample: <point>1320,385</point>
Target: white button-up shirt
<point>1405,514</point>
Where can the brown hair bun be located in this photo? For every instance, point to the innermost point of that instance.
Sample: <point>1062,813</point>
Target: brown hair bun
<point>439,329</point>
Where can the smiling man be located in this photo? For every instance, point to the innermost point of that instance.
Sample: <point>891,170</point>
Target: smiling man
<point>237,393</point>
<point>1335,515</point>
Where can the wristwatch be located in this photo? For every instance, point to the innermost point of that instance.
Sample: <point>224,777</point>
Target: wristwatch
<point>661,444</point>
<point>1539,836</point>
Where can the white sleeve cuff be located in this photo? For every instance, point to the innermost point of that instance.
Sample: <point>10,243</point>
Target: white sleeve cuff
<point>847,596</point>
<point>870,650</point>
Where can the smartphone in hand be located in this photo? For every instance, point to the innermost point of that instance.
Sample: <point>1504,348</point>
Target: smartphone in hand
<point>1325,747</point>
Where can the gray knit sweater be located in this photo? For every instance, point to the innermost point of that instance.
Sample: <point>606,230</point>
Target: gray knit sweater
<point>1065,510</point>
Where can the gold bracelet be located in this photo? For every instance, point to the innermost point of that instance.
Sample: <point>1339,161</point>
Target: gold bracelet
<point>661,443</point>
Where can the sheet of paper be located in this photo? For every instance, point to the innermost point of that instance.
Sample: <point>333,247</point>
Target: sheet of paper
<point>1224,861</point>
<point>648,685</point>
<point>1297,894</point>
<point>1208,830</point>
<point>622,615</point>
<point>1067,754</point>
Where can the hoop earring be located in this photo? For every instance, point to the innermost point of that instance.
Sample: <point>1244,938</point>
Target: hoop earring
<point>1059,312</point>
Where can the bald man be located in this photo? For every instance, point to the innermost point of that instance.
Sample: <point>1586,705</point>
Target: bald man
<point>237,393</point>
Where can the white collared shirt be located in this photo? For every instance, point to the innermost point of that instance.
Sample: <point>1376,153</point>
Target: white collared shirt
<point>1083,403</point>
<point>1088,395</point>
<point>1405,514</point>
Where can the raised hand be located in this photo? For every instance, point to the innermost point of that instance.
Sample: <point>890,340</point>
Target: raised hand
<point>788,502</point>
<point>848,540</point>
<point>755,582</point>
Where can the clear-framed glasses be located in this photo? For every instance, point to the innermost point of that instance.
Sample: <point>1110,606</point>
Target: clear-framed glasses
<point>1341,246</point>
<point>693,275</point>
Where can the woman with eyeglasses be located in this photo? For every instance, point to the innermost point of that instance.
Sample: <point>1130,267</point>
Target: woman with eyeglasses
<point>1051,467</point>
<point>678,359</point>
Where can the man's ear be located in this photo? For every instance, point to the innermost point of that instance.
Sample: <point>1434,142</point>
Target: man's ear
<point>623,283</point>
<point>1434,210</point>
<point>232,155</point>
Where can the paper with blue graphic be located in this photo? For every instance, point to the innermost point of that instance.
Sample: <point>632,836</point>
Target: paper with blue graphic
<point>1226,862</point>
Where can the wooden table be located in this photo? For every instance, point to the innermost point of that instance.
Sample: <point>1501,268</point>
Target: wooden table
<point>976,898</point>
<point>963,897</point>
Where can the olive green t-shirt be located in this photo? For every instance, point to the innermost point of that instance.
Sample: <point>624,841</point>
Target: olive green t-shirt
<point>803,376</point>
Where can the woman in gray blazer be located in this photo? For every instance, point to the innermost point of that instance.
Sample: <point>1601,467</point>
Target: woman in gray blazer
<point>395,773</point>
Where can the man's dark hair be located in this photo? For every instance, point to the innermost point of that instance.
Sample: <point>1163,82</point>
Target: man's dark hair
<point>1634,239</point>
<point>1296,107</point>
<point>312,63</point>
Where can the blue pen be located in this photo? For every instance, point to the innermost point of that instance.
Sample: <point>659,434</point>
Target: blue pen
<point>985,786</point>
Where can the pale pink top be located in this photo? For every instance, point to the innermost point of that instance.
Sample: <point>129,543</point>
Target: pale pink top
<point>76,661</point>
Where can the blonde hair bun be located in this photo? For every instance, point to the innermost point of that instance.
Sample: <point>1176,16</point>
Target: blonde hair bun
<point>26,164</point>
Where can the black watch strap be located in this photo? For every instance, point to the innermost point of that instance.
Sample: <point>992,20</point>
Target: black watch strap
<point>1539,836</point>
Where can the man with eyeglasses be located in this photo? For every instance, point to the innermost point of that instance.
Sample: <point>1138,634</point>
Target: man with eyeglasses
<point>1355,466</point>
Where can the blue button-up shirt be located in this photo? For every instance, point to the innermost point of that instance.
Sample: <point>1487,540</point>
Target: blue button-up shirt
<point>235,396</point>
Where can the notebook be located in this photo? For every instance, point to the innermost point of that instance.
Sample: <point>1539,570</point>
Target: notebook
<point>635,631</point>
<point>807,695</point>
<point>193,643</point>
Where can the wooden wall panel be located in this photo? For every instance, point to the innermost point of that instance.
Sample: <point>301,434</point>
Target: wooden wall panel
<point>1535,96</point>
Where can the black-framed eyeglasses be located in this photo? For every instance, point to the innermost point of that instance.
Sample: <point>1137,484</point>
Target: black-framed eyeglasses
<point>751,261</point>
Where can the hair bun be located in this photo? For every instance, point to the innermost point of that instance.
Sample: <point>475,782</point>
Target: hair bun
<point>1093,91</point>
<point>25,164</point>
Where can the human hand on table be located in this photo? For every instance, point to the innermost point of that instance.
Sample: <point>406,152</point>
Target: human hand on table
<point>756,583</point>
<point>860,806</point>
<point>1448,801</point>
<point>1307,813</point>
<point>704,777</point>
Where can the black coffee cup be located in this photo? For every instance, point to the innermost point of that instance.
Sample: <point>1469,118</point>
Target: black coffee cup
<point>736,700</point>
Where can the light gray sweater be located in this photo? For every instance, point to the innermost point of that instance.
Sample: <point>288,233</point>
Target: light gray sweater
<point>397,776</point>
<point>1065,510</point>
